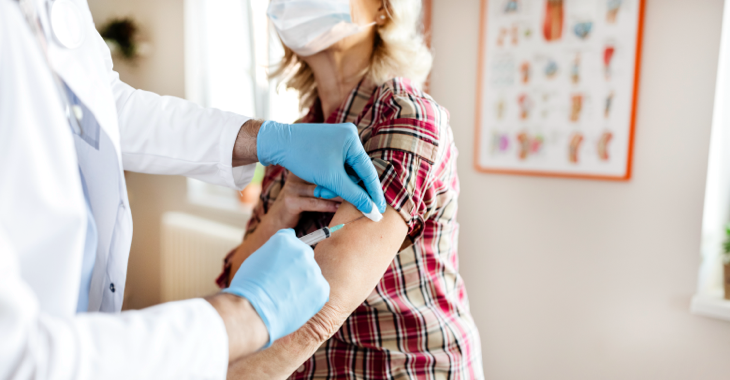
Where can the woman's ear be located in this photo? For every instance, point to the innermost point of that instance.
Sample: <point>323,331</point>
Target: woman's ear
<point>381,17</point>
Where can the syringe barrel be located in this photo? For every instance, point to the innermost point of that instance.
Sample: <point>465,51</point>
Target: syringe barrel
<point>316,236</point>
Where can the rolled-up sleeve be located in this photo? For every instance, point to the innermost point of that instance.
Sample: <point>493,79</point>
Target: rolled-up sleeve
<point>404,148</point>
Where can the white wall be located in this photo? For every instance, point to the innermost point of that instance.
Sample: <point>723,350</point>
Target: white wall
<point>577,279</point>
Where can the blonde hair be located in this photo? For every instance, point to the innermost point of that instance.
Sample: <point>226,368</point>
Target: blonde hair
<point>399,51</point>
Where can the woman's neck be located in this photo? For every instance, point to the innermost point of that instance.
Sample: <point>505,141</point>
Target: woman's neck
<point>337,72</point>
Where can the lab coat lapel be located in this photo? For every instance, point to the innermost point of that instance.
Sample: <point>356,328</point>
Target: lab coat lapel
<point>85,71</point>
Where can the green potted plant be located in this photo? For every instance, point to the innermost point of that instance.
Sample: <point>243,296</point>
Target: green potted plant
<point>726,262</point>
<point>122,37</point>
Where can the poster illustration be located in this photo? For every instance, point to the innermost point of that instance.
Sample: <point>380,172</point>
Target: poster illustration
<point>557,87</point>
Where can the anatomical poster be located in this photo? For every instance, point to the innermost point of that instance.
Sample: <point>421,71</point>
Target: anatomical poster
<point>558,86</point>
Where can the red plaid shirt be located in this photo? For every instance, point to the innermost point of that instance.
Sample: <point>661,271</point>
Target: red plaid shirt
<point>416,323</point>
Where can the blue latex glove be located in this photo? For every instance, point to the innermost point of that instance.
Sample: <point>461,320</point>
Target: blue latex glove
<point>318,153</point>
<point>283,283</point>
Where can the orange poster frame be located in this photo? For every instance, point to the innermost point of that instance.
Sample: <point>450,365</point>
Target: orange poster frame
<point>478,121</point>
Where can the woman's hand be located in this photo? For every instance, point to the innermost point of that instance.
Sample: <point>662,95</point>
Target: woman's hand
<point>296,197</point>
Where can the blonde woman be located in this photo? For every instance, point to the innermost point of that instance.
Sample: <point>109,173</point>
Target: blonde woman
<point>398,308</point>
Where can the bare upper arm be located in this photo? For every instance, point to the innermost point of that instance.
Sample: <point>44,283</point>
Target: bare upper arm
<point>354,259</point>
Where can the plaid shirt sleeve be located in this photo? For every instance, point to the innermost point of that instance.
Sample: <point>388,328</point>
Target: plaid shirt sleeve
<point>403,146</point>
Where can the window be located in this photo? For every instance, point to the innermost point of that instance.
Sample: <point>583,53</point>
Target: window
<point>710,289</point>
<point>229,48</point>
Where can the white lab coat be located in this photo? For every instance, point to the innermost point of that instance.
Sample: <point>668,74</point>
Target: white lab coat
<point>43,217</point>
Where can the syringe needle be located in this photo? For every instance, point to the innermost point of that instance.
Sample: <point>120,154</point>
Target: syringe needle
<point>324,233</point>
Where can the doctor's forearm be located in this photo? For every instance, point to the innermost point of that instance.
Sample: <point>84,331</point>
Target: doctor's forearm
<point>288,353</point>
<point>246,331</point>
<point>244,150</point>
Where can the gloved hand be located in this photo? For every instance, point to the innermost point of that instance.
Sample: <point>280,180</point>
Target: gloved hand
<point>283,283</point>
<point>318,153</point>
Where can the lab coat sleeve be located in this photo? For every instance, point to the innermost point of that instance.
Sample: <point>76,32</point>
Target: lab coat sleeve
<point>179,340</point>
<point>169,135</point>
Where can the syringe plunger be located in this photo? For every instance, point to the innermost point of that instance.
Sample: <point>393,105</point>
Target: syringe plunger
<point>319,235</point>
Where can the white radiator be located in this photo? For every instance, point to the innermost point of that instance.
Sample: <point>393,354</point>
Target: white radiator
<point>193,249</point>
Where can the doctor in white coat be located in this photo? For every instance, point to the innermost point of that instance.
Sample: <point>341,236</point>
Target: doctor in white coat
<point>68,129</point>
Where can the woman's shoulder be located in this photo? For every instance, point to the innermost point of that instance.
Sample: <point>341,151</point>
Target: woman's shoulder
<point>401,99</point>
<point>404,110</point>
<point>400,87</point>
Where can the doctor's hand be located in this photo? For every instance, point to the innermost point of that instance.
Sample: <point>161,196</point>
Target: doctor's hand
<point>319,154</point>
<point>283,283</point>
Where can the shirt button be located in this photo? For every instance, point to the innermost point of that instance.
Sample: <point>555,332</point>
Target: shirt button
<point>300,369</point>
<point>78,112</point>
<point>112,288</point>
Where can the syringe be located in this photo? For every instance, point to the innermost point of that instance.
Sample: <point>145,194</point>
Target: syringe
<point>319,235</point>
<point>323,233</point>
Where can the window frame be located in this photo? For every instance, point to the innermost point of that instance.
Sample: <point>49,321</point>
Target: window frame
<point>708,299</point>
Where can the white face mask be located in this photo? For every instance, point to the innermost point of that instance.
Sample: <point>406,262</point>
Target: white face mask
<point>310,26</point>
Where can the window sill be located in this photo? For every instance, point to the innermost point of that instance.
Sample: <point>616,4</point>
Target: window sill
<point>711,305</point>
<point>220,203</point>
<point>214,197</point>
